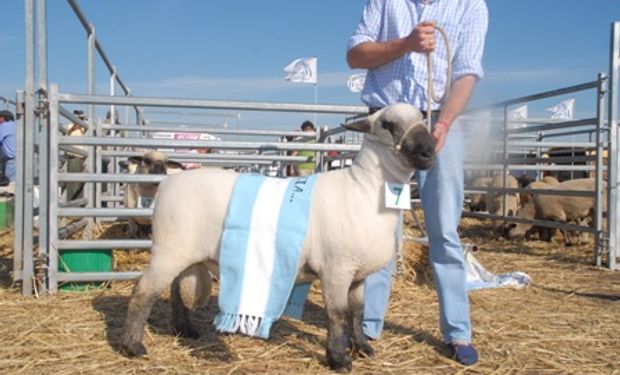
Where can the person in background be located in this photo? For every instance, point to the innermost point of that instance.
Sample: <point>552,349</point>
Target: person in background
<point>75,163</point>
<point>308,167</point>
<point>392,41</point>
<point>7,146</point>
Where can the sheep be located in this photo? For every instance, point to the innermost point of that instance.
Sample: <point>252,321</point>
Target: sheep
<point>477,201</point>
<point>340,248</point>
<point>550,180</point>
<point>560,208</point>
<point>142,195</point>
<point>528,211</point>
<point>495,200</point>
<point>578,210</point>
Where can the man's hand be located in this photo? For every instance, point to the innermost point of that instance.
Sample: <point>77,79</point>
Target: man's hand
<point>422,38</point>
<point>439,133</point>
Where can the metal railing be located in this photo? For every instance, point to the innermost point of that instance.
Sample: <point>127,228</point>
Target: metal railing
<point>39,111</point>
<point>541,136</point>
<point>32,123</point>
<point>56,100</point>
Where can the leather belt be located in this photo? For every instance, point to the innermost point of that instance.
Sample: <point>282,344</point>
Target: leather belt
<point>435,113</point>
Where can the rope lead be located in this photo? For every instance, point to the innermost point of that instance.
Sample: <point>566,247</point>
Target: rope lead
<point>431,92</point>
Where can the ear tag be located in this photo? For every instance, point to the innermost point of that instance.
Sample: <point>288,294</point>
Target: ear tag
<point>397,196</point>
<point>145,202</point>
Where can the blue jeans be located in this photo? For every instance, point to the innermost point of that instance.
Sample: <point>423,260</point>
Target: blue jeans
<point>441,190</point>
<point>9,166</point>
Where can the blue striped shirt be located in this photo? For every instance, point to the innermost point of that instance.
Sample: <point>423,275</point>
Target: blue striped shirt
<point>405,78</point>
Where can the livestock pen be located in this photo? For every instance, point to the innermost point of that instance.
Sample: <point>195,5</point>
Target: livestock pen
<point>565,322</point>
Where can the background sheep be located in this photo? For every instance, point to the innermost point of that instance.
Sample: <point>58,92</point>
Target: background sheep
<point>477,201</point>
<point>495,200</point>
<point>577,210</point>
<point>550,180</point>
<point>528,211</point>
<point>142,195</point>
<point>568,209</point>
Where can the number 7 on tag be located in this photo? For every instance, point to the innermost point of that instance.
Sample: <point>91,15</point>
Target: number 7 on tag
<point>397,196</point>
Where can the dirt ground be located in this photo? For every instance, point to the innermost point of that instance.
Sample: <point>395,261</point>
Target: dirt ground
<point>566,322</point>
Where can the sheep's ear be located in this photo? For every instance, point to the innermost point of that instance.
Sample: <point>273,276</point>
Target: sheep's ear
<point>135,160</point>
<point>123,164</point>
<point>363,125</point>
<point>174,165</point>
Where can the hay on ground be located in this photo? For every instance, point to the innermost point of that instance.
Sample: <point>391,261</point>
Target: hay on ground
<point>566,322</point>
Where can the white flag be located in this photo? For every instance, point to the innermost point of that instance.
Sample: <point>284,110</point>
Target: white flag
<point>563,111</point>
<point>302,70</point>
<point>356,82</point>
<point>518,113</point>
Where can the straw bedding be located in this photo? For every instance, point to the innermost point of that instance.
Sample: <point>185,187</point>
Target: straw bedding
<point>567,322</point>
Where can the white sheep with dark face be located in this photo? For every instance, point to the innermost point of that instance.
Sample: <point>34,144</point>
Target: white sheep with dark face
<point>341,246</point>
<point>142,195</point>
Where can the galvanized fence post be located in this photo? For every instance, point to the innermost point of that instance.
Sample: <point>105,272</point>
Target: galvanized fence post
<point>598,199</point>
<point>29,128</point>
<point>19,189</point>
<point>53,185</point>
<point>505,164</point>
<point>613,156</point>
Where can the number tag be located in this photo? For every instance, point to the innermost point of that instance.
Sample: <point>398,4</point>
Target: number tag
<point>397,196</point>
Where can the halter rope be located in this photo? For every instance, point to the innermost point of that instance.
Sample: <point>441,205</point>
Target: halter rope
<point>431,92</point>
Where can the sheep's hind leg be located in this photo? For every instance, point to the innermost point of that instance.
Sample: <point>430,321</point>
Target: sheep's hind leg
<point>154,281</point>
<point>356,309</point>
<point>190,290</point>
<point>336,304</point>
<point>181,322</point>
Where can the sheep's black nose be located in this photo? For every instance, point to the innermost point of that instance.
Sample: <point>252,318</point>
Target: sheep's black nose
<point>158,168</point>
<point>426,155</point>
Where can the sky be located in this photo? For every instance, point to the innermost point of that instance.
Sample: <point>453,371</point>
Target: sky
<point>236,50</point>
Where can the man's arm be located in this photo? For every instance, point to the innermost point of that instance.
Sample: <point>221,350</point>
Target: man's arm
<point>369,55</point>
<point>456,101</point>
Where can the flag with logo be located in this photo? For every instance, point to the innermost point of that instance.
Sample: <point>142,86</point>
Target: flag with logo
<point>563,111</point>
<point>302,70</point>
<point>356,82</point>
<point>519,113</point>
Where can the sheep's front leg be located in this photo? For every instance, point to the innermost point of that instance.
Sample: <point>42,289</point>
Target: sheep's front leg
<point>356,308</point>
<point>154,281</point>
<point>336,304</point>
<point>567,239</point>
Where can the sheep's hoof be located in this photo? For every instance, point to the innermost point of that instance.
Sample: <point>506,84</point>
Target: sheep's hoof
<point>188,332</point>
<point>340,365</point>
<point>365,350</point>
<point>135,349</point>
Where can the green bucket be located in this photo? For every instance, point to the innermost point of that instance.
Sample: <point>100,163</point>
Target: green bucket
<point>91,260</point>
<point>7,209</point>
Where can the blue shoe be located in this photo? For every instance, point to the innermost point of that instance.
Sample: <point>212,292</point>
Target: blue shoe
<point>464,354</point>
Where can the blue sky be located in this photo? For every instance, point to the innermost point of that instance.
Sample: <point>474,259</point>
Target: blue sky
<point>237,49</point>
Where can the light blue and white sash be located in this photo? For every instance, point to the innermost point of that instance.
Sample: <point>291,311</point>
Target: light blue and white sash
<point>260,248</point>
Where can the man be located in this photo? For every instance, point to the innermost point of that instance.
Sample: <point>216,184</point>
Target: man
<point>391,41</point>
<point>75,162</point>
<point>308,167</point>
<point>7,145</point>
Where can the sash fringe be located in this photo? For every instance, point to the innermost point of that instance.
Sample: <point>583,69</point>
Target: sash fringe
<point>248,325</point>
